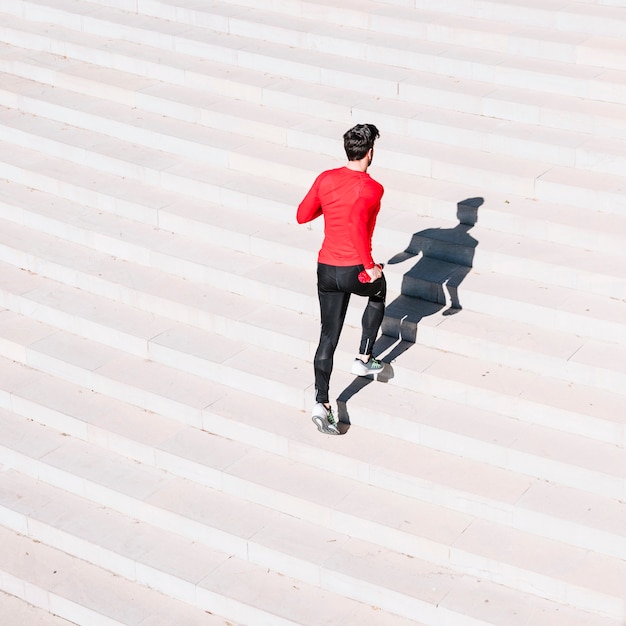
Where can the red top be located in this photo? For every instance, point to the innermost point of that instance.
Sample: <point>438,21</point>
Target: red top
<point>349,201</point>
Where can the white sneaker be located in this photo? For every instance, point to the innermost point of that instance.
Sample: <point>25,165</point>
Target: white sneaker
<point>324,419</point>
<point>373,366</point>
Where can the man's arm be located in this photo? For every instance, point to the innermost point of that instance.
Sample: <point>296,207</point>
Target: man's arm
<point>310,207</point>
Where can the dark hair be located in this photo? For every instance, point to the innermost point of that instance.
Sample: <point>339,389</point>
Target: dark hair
<point>358,140</point>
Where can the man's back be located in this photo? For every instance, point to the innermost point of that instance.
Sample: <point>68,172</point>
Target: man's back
<point>349,201</point>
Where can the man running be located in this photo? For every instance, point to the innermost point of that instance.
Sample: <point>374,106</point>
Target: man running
<point>349,199</point>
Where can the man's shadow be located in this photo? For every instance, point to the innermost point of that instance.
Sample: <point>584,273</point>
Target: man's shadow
<point>444,258</point>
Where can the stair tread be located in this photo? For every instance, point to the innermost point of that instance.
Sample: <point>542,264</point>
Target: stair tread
<point>158,313</point>
<point>250,232</point>
<point>582,15</point>
<point>570,350</point>
<point>240,527</point>
<point>183,451</point>
<point>241,154</point>
<point>279,92</point>
<point>571,148</point>
<point>556,303</point>
<point>288,378</point>
<point>238,25</point>
<point>169,563</point>
<point>17,611</point>
<point>151,165</point>
<point>68,406</point>
<point>592,403</point>
<point>84,592</point>
<point>245,154</point>
<point>149,200</point>
<point>455,61</point>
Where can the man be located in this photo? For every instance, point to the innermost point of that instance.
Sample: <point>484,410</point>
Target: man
<point>349,199</point>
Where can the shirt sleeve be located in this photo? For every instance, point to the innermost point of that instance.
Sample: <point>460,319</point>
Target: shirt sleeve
<point>310,207</point>
<point>363,220</point>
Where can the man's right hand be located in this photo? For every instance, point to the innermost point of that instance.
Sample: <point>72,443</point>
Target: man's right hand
<point>375,272</point>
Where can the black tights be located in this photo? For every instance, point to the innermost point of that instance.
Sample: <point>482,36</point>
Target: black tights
<point>334,287</point>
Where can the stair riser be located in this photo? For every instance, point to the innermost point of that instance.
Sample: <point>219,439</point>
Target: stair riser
<point>165,173</point>
<point>609,380</point>
<point>485,260</point>
<point>458,67</point>
<point>586,375</point>
<point>524,520</point>
<point>541,16</point>
<point>385,22</point>
<point>246,550</point>
<point>53,603</point>
<point>599,124</point>
<point>475,400</point>
<point>501,456</point>
<point>244,163</point>
<point>507,145</point>
<point>290,566</point>
<point>122,566</point>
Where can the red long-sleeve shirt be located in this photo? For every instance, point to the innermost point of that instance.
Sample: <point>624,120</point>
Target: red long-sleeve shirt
<point>350,202</point>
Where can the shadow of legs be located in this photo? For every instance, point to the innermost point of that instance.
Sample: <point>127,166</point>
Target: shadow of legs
<point>353,388</point>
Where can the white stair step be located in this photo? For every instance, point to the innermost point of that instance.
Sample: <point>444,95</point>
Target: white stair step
<point>591,407</point>
<point>555,354</point>
<point>245,534</point>
<point>155,205</point>
<point>151,205</point>
<point>601,190</point>
<point>17,611</point>
<point>101,368</point>
<point>240,230</point>
<point>571,358</point>
<point>427,24</point>
<point>592,280</point>
<point>281,164</point>
<point>585,203</point>
<point>148,562</point>
<point>565,148</point>
<point>219,148</point>
<point>158,563</point>
<point>149,249</point>
<point>559,309</point>
<point>572,17</point>
<point>523,300</point>
<point>172,504</point>
<point>247,52</point>
<point>364,13</point>
<point>509,103</point>
<point>83,593</point>
<point>276,163</point>
<point>512,432</point>
<point>292,97</point>
<point>138,201</point>
<point>504,497</point>
<point>486,250</point>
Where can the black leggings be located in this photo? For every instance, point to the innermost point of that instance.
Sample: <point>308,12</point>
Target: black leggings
<point>334,287</point>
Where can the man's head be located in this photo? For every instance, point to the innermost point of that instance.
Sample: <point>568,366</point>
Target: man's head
<point>359,140</point>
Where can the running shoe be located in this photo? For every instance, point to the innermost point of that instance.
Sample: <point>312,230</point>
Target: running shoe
<point>325,420</point>
<point>373,366</point>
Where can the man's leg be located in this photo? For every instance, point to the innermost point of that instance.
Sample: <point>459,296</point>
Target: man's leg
<point>370,325</point>
<point>333,307</point>
<point>376,293</point>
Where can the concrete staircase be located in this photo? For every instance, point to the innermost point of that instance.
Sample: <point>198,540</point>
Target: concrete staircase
<point>158,314</point>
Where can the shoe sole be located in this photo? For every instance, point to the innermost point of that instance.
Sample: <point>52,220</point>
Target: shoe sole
<point>359,372</point>
<point>322,426</point>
